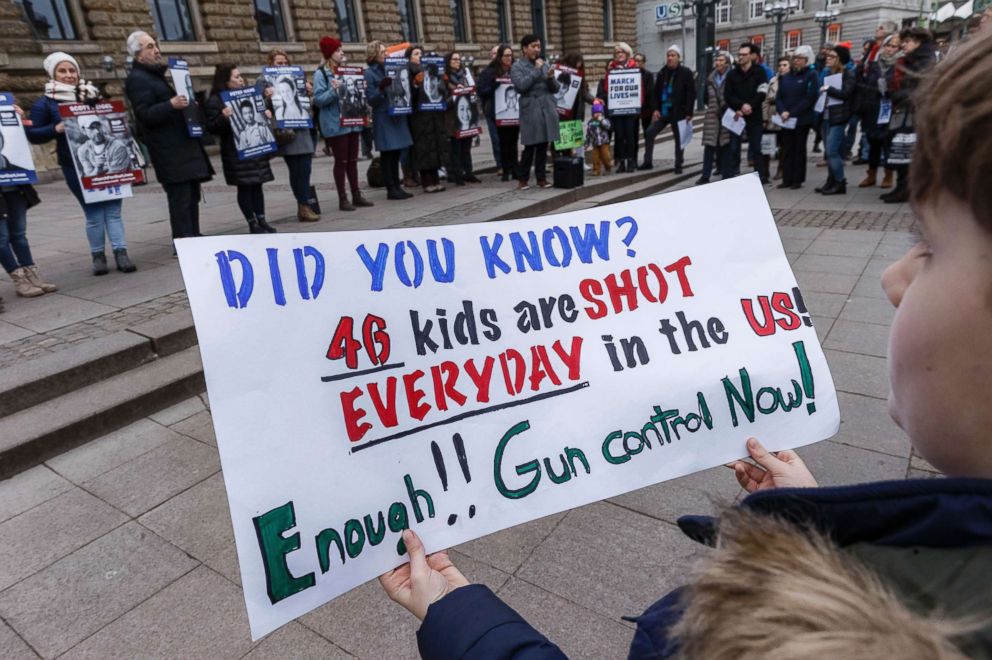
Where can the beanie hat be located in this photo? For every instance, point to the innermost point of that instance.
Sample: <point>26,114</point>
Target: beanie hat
<point>329,46</point>
<point>674,48</point>
<point>804,51</point>
<point>597,107</point>
<point>843,54</point>
<point>55,59</point>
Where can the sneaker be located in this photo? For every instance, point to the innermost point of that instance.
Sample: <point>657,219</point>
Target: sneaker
<point>544,184</point>
<point>523,185</point>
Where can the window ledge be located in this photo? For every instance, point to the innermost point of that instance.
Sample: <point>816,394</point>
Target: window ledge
<point>288,46</point>
<point>182,47</point>
<point>73,47</point>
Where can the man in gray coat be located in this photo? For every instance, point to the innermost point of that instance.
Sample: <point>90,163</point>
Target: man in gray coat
<point>535,83</point>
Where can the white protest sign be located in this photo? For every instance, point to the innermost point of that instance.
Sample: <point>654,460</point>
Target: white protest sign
<point>463,379</point>
<point>685,133</point>
<point>834,81</point>
<point>623,89</point>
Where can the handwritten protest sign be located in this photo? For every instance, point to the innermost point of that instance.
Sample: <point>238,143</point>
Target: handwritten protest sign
<point>569,81</point>
<point>182,81</point>
<point>101,145</point>
<point>290,101</point>
<point>252,134</point>
<point>623,88</point>
<point>16,161</point>
<point>506,103</point>
<point>463,379</point>
<point>571,135</point>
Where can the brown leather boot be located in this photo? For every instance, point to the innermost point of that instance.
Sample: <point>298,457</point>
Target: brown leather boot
<point>870,178</point>
<point>887,179</point>
<point>344,204</point>
<point>305,214</point>
<point>358,199</point>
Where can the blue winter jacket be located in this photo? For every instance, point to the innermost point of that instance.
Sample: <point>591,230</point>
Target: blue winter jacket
<point>797,93</point>
<point>391,132</point>
<point>44,118</point>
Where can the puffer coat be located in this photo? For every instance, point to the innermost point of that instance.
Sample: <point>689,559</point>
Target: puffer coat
<point>236,172</point>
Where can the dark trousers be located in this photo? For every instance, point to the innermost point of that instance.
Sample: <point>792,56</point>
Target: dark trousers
<point>753,130</point>
<point>390,168</point>
<point>251,201</point>
<point>509,136</point>
<point>713,156</point>
<point>794,154</point>
<point>345,150</point>
<point>652,132</point>
<point>494,142</point>
<point>875,152</point>
<point>459,159</point>
<point>300,168</point>
<point>367,142</point>
<point>624,137</point>
<point>184,208</point>
<point>538,155</point>
<point>14,250</point>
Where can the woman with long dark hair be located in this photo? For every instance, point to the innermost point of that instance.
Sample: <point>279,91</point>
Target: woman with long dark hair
<point>836,116</point>
<point>430,142</point>
<point>247,175</point>
<point>460,148</point>
<point>509,136</point>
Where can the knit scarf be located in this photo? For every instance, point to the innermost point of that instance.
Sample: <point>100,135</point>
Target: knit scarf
<point>82,92</point>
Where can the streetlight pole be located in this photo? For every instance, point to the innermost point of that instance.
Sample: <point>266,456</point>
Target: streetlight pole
<point>779,10</point>
<point>824,18</point>
<point>704,20</point>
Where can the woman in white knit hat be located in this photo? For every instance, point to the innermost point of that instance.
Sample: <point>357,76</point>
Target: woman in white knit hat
<point>103,219</point>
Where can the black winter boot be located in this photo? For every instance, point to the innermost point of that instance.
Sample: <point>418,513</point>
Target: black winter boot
<point>124,263</point>
<point>99,263</point>
<point>253,227</point>
<point>829,183</point>
<point>265,226</point>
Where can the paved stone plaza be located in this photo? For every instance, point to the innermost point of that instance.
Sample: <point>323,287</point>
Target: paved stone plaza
<point>123,548</point>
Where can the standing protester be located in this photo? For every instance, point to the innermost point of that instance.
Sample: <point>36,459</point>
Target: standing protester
<point>298,154</point>
<point>870,85</point>
<point>103,219</point>
<point>341,141</point>
<point>430,143</point>
<point>459,148</point>
<point>486,80</point>
<point>180,162</point>
<point>647,83</point>
<point>507,136</point>
<point>391,132</point>
<point>745,90</point>
<point>15,253</point>
<point>584,97</point>
<point>247,175</point>
<point>759,61</point>
<point>672,100</point>
<point>768,112</point>
<point>624,126</point>
<point>535,84</point>
<point>716,138</point>
<point>795,99</point>
<point>919,54</point>
<point>836,118</point>
<point>598,140</point>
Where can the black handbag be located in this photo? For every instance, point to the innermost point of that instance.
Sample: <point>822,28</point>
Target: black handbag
<point>374,174</point>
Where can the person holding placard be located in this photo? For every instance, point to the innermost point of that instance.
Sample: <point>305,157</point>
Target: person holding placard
<point>535,83</point>
<point>715,137</point>
<point>391,132</point>
<point>331,95</point>
<point>744,92</point>
<point>429,151</point>
<point>672,101</point>
<point>487,80</point>
<point>875,111</point>
<point>181,164</point>
<point>249,174</point>
<point>624,125</point>
<point>15,252</point>
<point>498,92</point>
<point>298,154</point>
<point>797,92</point>
<point>459,120</point>
<point>836,115</point>
<point>103,218</point>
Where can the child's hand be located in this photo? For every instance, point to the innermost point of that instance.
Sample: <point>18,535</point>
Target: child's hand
<point>783,469</point>
<point>423,580</point>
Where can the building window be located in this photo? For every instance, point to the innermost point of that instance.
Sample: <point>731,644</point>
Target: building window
<point>270,21</point>
<point>503,22</point>
<point>347,20</point>
<point>759,41</point>
<point>835,3</point>
<point>833,33</point>
<point>723,11</point>
<point>173,20</point>
<point>723,44</point>
<point>459,20</point>
<point>755,9</point>
<point>607,20</point>
<point>408,20</point>
<point>537,19</point>
<point>793,39</point>
<point>49,19</point>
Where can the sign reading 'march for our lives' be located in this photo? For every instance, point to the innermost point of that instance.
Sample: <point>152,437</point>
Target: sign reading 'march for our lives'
<point>463,379</point>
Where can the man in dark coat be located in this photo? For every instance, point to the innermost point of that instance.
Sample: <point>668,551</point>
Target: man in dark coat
<point>180,162</point>
<point>744,93</point>
<point>535,82</point>
<point>671,101</point>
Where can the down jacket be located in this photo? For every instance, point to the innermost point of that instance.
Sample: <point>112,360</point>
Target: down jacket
<point>250,172</point>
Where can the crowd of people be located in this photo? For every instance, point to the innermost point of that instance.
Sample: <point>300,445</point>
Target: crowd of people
<point>828,95</point>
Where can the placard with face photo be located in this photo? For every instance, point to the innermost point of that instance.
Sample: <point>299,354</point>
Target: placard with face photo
<point>430,97</point>
<point>16,162</point>
<point>290,101</point>
<point>182,81</point>
<point>506,103</point>
<point>351,92</point>
<point>398,94</point>
<point>101,145</point>
<point>466,112</point>
<point>252,135</point>
<point>569,82</point>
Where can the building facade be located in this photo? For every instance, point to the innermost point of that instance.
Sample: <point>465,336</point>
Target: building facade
<point>208,32</point>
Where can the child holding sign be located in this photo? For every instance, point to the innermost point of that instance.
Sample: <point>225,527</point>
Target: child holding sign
<point>894,570</point>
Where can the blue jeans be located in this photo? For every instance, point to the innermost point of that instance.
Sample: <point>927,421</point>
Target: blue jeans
<point>102,218</point>
<point>494,141</point>
<point>835,140</point>
<point>300,168</point>
<point>14,250</point>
